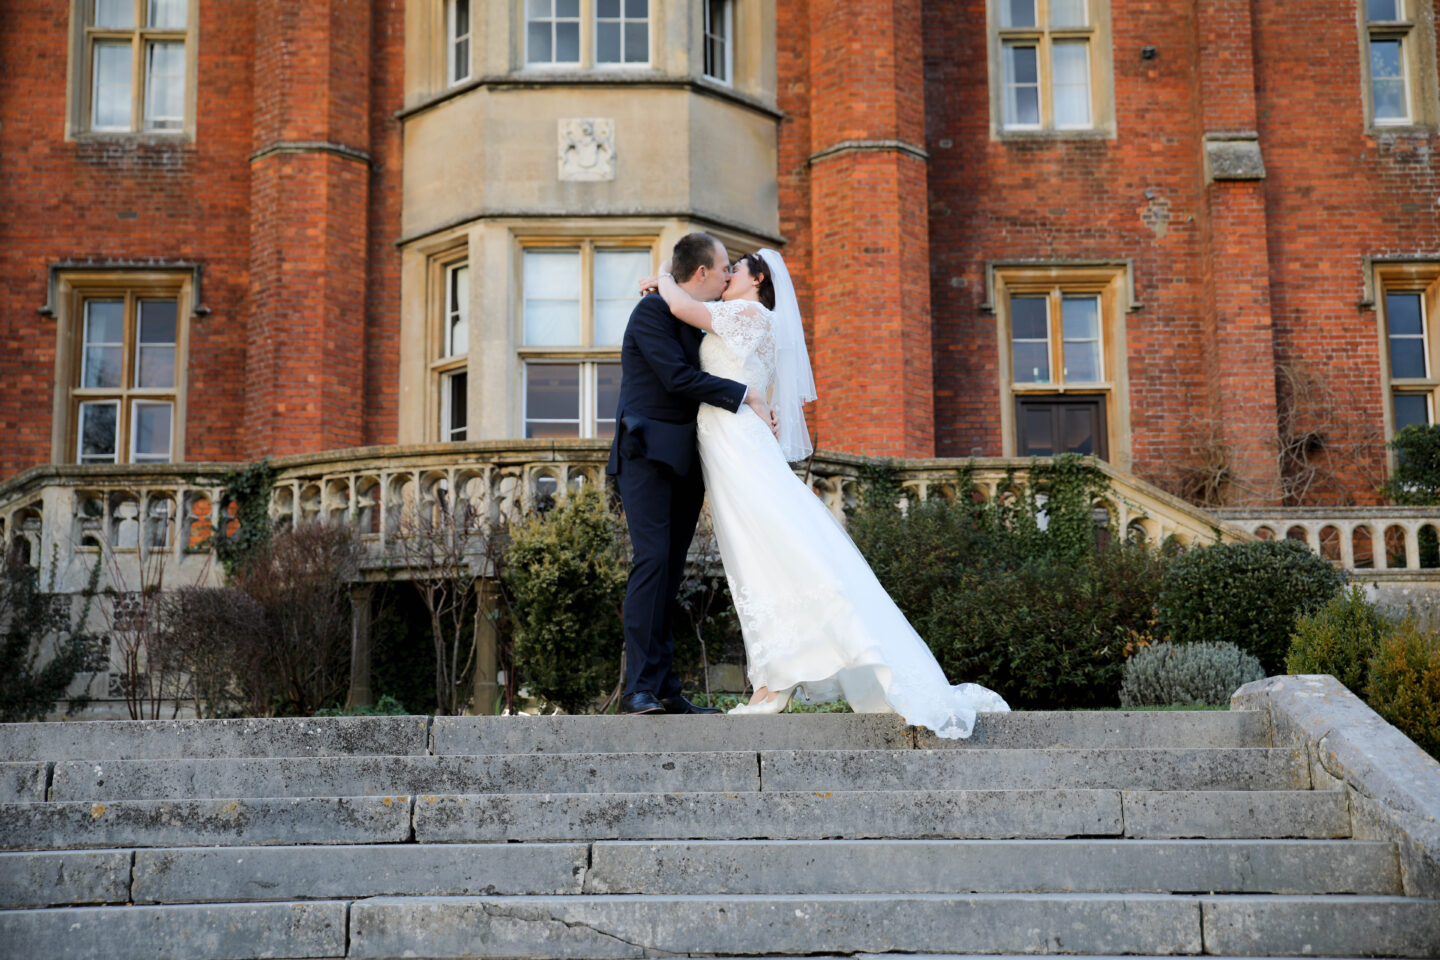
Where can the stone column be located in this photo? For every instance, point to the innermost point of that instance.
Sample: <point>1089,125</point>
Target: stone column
<point>309,186</point>
<point>487,646</point>
<point>1241,353</point>
<point>870,254</point>
<point>362,646</point>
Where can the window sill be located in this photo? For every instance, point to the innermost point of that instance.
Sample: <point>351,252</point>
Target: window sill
<point>570,75</point>
<point>177,138</point>
<point>1395,131</point>
<point>1092,133</point>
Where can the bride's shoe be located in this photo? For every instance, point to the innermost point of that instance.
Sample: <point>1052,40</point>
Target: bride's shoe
<point>775,703</point>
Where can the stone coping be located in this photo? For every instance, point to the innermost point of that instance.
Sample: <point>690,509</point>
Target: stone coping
<point>1394,786</point>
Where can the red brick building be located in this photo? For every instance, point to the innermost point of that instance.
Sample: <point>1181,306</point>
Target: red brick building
<point>1193,238</point>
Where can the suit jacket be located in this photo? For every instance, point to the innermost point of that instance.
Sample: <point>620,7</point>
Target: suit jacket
<point>662,387</point>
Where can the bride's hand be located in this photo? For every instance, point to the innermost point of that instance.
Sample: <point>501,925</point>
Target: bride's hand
<point>649,285</point>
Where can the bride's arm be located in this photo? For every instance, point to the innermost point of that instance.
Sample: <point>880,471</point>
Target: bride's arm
<point>685,307</point>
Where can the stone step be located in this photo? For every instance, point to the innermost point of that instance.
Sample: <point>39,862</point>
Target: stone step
<point>23,781</point>
<point>882,814</point>
<point>251,737</point>
<point>632,927</point>
<point>231,874</point>
<point>1106,924</point>
<point>360,736</point>
<point>1214,768</point>
<point>369,776</point>
<point>173,823</point>
<point>1171,768</point>
<point>479,818</point>
<point>831,731</point>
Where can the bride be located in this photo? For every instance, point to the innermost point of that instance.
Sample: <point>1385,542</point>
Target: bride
<point>813,615</point>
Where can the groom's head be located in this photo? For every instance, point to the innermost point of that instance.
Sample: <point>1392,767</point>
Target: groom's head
<point>700,265</point>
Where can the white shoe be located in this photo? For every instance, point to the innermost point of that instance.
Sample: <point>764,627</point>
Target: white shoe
<point>775,703</point>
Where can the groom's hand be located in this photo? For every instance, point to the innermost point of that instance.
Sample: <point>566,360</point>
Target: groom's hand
<point>764,411</point>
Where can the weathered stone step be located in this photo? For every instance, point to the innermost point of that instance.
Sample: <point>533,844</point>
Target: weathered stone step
<point>1171,768</point>
<point>234,874</point>
<point>361,736</point>
<point>369,776</point>
<point>216,931</point>
<point>882,814</point>
<point>173,823</point>
<point>22,782</point>
<point>251,737</point>
<point>1101,728</point>
<point>993,866</point>
<point>1106,924</point>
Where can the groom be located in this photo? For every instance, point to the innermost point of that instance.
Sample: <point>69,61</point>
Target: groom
<point>657,469</point>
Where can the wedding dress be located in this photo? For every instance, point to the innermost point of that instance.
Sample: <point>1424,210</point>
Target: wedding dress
<point>812,613</point>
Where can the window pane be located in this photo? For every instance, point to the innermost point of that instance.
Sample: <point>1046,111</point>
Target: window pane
<point>155,356</point>
<point>607,41</point>
<point>538,8</point>
<point>1032,362</point>
<point>157,321</point>
<point>150,424</point>
<point>567,43</point>
<point>1078,429</point>
<point>1384,10</point>
<point>104,343</point>
<point>607,398</point>
<point>457,313</point>
<point>97,432</point>
<point>456,389</point>
<point>165,86</point>
<point>1067,13</point>
<point>462,18</point>
<point>1038,442</point>
<point>617,283</point>
<point>552,393</point>
<point>1080,317</point>
<point>167,14</point>
<point>1029,318</point>
<point>551,282</point>
<point>1022,88</point>
<point>104,322</point>
<point>1402,313</point>
<point>1071,65</point>
<point>110,93</point>
<point>637,9</point>
<point>637,42</point>
<point>607,8</point>
<point>1407,357</point>
<point>115,13</point>
<point>1017,13</point>
<point>1411,408</point>
<point>462,61</point>
<point>567,8</point>
<point>1387,77</point>
<point>538,43</point>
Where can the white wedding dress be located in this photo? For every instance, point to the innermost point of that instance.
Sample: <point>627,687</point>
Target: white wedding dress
<point>812,612</point>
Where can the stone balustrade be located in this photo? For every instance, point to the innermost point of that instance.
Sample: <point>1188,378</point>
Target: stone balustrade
<point>159,520</point>
<point>1367,540</point>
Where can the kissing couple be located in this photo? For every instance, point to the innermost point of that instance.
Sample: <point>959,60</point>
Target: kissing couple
<point>714,378</point>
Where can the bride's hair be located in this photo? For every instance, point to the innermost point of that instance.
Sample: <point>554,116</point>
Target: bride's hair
<point>757,268</point>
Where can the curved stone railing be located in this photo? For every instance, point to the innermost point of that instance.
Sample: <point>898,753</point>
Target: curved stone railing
<point>137,520</point>
<point>1367,540</point>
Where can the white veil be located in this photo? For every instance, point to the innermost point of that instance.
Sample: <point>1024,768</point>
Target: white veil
<point>794,383</point>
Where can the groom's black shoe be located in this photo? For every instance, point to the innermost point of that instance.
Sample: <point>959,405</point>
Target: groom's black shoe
<point>642,702</point>
<point>678,704</point>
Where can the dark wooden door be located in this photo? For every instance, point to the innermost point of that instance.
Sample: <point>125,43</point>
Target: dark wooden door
<point>1046,426</point>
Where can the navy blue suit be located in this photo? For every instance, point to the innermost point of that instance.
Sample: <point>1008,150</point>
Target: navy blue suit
<point>657,472</point>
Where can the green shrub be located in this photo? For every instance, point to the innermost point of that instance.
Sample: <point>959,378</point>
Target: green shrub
<point>1339,639</point>
<point>1248,594</point>
<point>566,582</point>
<point>1404,685</point>
<point>1021,596</point>
<point>1198,674</point>
<point>386,706</point>
<point>1416,479</point>
<point>30,689</point>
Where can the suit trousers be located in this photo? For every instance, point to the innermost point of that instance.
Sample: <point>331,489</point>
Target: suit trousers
<point>661,509</point>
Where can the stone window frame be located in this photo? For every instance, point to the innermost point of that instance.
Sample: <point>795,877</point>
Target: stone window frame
<point>1098,34</point>
<point>1416,31</point>
<point>73,288</point>
<point>80,65</point>
<point>589,41</point>
<point>442,364</point>
<point>586,353</point>
<point>1112,283</point>
<point>451,57</point>
<point>1417,276</point>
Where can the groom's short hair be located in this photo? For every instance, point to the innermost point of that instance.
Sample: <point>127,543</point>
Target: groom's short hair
<point>692,251</point>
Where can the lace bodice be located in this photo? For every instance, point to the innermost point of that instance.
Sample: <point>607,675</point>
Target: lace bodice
<point>741,346</point>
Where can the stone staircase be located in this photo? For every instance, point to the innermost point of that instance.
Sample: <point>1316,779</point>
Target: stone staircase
<point>1092,834</point>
